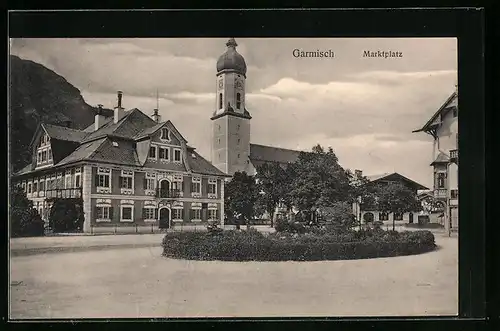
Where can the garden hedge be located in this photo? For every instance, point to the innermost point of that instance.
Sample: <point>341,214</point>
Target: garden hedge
<point>254,246</point>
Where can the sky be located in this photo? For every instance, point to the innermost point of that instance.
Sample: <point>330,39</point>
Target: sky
<point>364,108</point>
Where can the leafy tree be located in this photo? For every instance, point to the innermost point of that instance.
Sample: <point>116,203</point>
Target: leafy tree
<point>66,216</point>
<point>24,219</point>
<point>241,194</point>
<point>394,197</point>
<point>319,181</point>
<point>272,184</point>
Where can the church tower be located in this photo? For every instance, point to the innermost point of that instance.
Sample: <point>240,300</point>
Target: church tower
<point>231,120</point>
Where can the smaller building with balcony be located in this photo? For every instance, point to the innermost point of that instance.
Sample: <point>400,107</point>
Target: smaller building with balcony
<point>443,128</point>
<point>129,170</point>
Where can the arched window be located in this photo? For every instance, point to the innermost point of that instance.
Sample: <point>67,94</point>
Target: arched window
<point>220,100</point>
<point>238,101</point>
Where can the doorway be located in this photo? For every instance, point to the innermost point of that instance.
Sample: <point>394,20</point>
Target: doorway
<point>164,221</point>
<point>410,220</point>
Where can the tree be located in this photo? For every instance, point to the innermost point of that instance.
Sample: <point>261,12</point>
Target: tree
<point>272,184</point>
<point>394,197</point>
<point>338,216</point>
<point>66,215</point>
<point>319,181</point>
<point>241,194</point>
<point>24,219</point>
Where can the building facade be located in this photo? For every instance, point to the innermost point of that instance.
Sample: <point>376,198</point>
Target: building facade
<point>132,172</point>
<point>443,127</point>
<point>367,214</point>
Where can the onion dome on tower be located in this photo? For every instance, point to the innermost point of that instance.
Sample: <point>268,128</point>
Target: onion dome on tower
<point>231,59</point>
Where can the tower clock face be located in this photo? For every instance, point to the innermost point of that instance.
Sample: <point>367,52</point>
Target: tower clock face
<point>221,84</point>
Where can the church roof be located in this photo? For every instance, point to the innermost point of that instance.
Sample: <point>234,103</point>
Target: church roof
<point>231,59</point>
<point>261,154</point>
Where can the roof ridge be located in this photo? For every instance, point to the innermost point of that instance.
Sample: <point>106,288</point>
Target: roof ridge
<point>285,149</point>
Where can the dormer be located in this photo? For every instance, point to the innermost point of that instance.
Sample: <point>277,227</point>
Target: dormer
<point>43,155</point>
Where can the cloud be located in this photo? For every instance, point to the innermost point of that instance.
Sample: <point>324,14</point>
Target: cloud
<point>364,108</point>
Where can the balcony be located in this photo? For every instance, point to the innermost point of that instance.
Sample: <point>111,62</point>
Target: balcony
<point>440,193</point>
<point>64,193</point>
<point>454,155</point>
<point>167,193</point>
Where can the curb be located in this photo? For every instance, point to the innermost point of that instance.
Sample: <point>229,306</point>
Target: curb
<point>51,250</point>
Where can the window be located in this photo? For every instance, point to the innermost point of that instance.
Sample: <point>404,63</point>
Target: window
<point>163,153</point>
<point>29,188</point>
<point>196,214</point>
<point>35,187</point>
<point>177,213</point>
<point>39,157</point>
<point>238,100</point>
<point>42,186</point>
<point>177,155</point>
<point>152,152</point>
<point>126,214</point>
<point>238,127</point>
<point>149,213</point>
<point>218,141</point>
<point>126,182</point>
<point>219,125</point>
<point>440,180</point>
<point>102,180</point>
<point>238,155</point>
<point>212,214</point>
<point>149,184</point>
<point>383,217</point>
<point>44,155</point>
<point>220,103</point>
<point>68,182</point>
<point>77,180</point>
<point>398,216</point>
<point>196,185</point>
<point>103,213</point>
<point>165,134</point>
<point>239,141</point>
<point>23,185</point>
<point>212,187</point>
<point>454,194</point>
<point>455,111</point>
<point>49,153</point>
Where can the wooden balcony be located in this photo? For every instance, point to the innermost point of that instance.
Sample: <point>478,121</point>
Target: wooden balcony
<point>167,194</point>
<point>64,193</point>
<point>454,155</point>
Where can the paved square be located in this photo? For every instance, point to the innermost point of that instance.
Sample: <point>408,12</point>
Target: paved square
<point>140,283</point>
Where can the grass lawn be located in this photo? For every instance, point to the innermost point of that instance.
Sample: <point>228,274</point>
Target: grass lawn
<point>140,283</point>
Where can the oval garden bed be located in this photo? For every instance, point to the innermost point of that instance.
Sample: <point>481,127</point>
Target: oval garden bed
<point>254,246</point>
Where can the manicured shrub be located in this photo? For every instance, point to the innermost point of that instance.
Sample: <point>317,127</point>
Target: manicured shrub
<point>253,245</point>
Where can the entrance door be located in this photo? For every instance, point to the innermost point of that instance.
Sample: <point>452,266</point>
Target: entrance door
<point>410,218</point>
<point>164,222</point>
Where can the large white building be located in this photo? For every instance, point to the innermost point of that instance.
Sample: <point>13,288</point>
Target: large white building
<point>443,127</point>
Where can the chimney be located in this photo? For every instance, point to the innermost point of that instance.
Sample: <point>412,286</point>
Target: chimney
<point>358,173</point>
<point>156,117</point>
<point>99,118</point>
<point>119,111</point>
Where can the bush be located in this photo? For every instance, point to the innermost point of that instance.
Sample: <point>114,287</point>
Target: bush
<point>66,216</point>
<point>281,225</point>
<point>24,220</point>
<point>253,245</point>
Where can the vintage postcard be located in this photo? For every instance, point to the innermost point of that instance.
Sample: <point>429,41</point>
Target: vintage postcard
<point>233,177</point>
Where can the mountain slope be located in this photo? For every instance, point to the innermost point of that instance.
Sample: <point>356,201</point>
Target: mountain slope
<point>38,94</point>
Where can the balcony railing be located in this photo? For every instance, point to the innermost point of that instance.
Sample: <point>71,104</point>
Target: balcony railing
<point>440,193</point>
<point>167,194</point>
<point>454,154</point>
<point>64,193</point>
